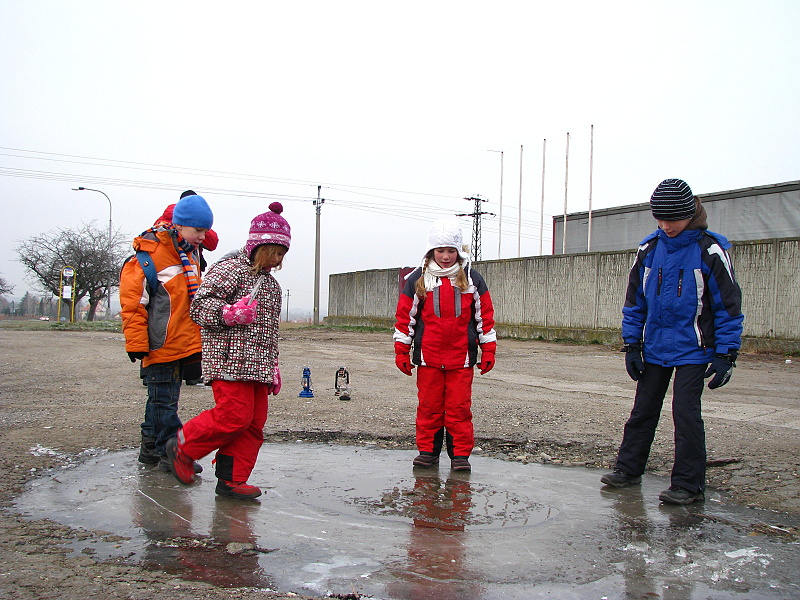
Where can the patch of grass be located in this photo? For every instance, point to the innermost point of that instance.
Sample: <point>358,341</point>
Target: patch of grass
<point>37,325</point>
<point>115,326</point>
<point>360,328</point>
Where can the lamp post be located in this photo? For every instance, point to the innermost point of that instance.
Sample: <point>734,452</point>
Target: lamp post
<point>108,250</point>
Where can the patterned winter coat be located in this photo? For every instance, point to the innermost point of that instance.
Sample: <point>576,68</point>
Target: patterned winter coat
<point>238,352</point>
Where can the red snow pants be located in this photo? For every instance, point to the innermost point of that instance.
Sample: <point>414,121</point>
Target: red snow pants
<point>234,427</point>
<point>445,402</point>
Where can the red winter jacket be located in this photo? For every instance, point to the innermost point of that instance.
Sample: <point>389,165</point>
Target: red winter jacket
<point>447,326</point>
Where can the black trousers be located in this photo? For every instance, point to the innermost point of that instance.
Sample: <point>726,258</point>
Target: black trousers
<point>689,466</point>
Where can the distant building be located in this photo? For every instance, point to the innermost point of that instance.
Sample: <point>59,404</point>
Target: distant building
<point>755,213</point>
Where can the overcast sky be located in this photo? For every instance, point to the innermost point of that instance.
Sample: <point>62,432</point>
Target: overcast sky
<point>398,110</point>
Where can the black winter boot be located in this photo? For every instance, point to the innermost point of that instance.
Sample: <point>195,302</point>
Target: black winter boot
<point>147,451</point>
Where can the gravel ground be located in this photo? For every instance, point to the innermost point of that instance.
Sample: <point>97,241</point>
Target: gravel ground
<point>64,394</point>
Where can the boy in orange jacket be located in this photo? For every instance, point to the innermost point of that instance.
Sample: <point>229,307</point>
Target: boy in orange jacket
<point>156,323</point>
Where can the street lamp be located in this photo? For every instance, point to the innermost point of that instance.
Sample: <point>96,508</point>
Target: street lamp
<point>108,288</point>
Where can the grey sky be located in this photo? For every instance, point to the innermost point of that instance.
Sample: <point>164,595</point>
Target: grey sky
<point>254,100</point>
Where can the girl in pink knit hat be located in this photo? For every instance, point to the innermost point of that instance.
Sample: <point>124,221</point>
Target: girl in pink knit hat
<point>237,307</point>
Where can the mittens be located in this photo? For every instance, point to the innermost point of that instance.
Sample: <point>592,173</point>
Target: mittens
<point>240,313</point>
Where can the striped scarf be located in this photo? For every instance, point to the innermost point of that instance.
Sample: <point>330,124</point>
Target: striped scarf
<point>184,249</point>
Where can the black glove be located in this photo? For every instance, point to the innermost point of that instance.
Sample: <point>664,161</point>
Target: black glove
<point>134,355</point>
<point>721,369</point>
<point>634,363</point>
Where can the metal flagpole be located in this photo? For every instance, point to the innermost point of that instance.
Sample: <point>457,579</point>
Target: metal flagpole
<point>566,184</point>
<point>591,166</point>
<point>519,211</point>
<point>541,212</point>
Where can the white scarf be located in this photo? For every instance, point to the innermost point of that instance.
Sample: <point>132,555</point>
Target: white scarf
<point>433,273</point>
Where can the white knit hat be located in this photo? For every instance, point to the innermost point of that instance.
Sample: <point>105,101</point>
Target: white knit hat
<point>446,233</point>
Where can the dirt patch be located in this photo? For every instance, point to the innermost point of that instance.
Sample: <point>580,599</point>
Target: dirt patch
<point>65,395</point>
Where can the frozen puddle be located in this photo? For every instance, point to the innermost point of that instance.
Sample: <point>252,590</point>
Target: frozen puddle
<point>344,519</point>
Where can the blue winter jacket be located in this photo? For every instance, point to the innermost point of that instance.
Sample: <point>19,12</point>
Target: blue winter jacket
<point>683,302</point>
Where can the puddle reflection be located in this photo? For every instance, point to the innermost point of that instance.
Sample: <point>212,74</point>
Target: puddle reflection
<point>435,565</point>
<point>228,556</point>
<point>637,539</point>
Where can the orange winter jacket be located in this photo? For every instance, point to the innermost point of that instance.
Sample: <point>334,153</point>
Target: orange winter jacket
<point>159,325</point>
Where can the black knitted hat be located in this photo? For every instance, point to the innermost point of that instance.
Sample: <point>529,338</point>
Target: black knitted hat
<point>672,200</point>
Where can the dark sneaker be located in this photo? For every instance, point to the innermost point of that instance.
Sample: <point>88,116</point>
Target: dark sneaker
<point>237,489</point>
<point>164,465</point>
<point>678,495</point>
<point>620,479</point>
<point>181,466</point>
<point>426,460</point>
<point>460,463</point>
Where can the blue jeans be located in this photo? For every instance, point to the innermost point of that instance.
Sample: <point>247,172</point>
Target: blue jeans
<point>161,420</point>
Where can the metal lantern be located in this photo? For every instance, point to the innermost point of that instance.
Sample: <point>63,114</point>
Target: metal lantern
<point>342,384</point>
<point>307,392</point>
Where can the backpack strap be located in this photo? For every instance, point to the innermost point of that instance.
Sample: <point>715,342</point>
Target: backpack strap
<point>149,269</point>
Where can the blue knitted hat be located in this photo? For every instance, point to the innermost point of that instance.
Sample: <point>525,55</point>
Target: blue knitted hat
<point>193,211</point>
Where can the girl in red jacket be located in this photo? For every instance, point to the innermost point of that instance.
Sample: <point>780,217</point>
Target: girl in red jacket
<point>443,315</point>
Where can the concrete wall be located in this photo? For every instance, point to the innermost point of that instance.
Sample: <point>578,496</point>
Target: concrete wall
<point>580,296</point>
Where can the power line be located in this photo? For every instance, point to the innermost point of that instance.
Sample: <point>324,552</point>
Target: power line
<point>113,163</point>
<point>402,208</point>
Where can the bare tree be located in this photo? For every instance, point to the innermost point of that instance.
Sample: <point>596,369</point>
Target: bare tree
<point>87,250</point>
<point>5,287</point>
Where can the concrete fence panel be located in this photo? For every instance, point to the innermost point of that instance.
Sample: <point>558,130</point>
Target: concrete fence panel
<point>550,296</point>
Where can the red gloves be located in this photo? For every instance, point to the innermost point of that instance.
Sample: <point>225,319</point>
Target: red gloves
<point>487,362</point>
<point>401,357</point>
<point>240,313</point>
<point>487,357</point>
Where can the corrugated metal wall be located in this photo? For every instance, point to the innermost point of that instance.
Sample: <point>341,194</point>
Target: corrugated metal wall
<point>759,213</point>
<point>586,291</point>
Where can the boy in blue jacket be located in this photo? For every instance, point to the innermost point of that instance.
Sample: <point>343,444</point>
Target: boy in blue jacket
<point>682,315</point>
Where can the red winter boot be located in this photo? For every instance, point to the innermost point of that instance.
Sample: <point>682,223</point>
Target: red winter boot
<point>237,489</point>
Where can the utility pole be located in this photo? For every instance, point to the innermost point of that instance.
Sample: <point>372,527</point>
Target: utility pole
<point>318,204</point>
<point>476,225</point>
<point>287,306</point>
